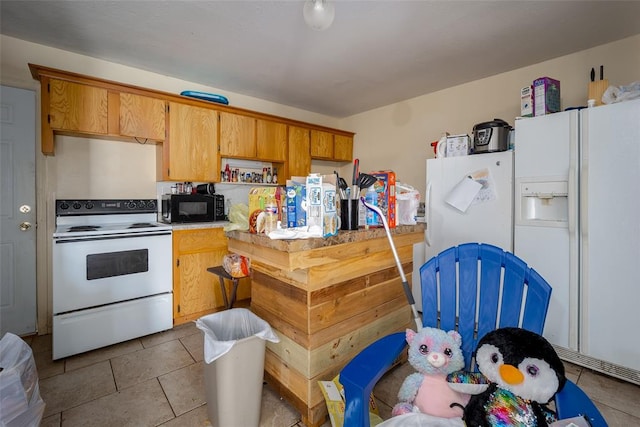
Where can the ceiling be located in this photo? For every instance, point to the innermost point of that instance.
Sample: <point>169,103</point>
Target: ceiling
<point>375,53</point>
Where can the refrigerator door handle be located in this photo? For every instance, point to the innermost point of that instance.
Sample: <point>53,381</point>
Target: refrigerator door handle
<point>427,216</point>
<point>572,192</point>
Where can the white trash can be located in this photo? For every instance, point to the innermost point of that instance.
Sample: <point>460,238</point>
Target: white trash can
<point>234,346</point>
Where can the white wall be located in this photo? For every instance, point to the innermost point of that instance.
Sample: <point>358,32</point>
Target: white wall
<point>398,136</point>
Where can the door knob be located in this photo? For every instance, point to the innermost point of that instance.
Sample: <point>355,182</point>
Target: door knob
<point>24,226</point>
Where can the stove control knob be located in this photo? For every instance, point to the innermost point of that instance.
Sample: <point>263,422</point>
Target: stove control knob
<point>141,204</point>
<point>89,205</point>
<point>76,205</point>
<point>64,206</point>
<point>151,204</point>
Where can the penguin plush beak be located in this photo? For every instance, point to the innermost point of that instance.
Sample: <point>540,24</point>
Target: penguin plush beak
<point>511,375</point>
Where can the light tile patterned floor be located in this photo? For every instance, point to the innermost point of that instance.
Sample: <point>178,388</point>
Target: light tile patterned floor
<point>158,381</point>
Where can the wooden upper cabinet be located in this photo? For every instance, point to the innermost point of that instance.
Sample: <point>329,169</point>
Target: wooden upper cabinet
<point>142,117</point>
<point>190,151</point>
<point>77,107</point>
<point>299,151</point>
<point>80,105</point>
<point>321,144</point>
<point>343,148</point>
<point>271,140</point>
<point>237,135</point>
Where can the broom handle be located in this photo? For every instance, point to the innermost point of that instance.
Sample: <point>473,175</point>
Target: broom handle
<point>405,284</point>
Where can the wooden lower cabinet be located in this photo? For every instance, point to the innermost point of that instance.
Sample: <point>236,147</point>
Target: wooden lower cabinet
<point>196,292</point>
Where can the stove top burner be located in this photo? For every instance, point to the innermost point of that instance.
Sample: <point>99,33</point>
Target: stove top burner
<point>76,228</point>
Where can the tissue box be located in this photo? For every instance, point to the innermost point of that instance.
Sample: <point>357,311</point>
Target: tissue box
<point>386,189</point>
<point>546,96</point>
<point>258,198</point>
<point>322,206</point>
<point>295,195</point>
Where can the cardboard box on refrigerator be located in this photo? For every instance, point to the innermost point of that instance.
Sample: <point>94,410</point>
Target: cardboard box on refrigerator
<point>546,96</point>
<point>386,188</point>
<point>322,208</point>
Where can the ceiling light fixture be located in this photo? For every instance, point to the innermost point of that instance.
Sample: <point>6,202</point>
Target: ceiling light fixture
<point>318,14</point>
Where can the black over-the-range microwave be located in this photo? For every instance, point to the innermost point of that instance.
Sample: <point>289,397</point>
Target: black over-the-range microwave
<point>183,208</point>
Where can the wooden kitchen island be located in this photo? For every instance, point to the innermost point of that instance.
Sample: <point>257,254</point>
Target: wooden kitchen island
<point>326,299</point>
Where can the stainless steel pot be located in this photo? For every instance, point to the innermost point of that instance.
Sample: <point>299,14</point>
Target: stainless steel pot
<point>491,136</point>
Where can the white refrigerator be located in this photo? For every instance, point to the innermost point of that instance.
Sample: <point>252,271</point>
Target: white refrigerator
<point>577,176</point>
<point>460,211</point>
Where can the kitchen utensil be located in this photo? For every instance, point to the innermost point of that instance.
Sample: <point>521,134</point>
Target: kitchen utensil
<point>365,180</point>
<point>342,185</point>
<point>356,171</point>
<point>405,284</point>
<point>491,136</point>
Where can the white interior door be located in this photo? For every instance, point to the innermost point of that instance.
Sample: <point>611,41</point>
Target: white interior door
<point>17,211</point>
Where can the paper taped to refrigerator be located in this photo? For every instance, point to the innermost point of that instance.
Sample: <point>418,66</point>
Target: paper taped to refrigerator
<point>487,192</point>
<point>463,194</point>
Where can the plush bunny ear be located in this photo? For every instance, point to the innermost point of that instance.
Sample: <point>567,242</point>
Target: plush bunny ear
<point>410,334</point>
<point>456,337</point>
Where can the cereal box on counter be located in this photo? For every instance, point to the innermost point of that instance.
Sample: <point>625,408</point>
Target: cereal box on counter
<point>296,204</point>
<point>322,204</point>
<point>385,186</point>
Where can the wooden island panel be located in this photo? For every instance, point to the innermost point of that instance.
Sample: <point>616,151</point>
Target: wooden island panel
<point>326,299</point>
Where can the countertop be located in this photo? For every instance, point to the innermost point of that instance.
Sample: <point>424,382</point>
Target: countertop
<point>199,225</point>
<point>295,245</point>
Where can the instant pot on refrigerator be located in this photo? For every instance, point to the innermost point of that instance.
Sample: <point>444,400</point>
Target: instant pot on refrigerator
<point>468,199</point>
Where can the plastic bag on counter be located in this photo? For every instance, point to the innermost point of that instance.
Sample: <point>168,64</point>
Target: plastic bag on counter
<point>408,201</point>
<point>236,265</point>
<point>20,401</point>
<point>238,217</point>
<point>615,94</point>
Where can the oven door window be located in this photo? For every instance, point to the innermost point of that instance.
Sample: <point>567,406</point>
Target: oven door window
<point>113,264</point>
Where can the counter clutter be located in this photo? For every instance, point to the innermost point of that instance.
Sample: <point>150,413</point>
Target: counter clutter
<point>326,298</point>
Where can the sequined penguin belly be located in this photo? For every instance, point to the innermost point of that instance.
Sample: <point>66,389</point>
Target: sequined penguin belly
<point>504,408</point>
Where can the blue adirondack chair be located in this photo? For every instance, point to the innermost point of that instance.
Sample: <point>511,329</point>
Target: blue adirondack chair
<point>461,284</point>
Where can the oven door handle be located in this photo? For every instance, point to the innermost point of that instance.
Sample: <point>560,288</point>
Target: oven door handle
<point>109,237</point>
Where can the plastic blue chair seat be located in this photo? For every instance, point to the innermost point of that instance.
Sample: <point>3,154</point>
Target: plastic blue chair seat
<point>472,288</point>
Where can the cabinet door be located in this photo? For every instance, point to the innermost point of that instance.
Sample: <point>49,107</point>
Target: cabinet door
<point>190,153</point>
<point>271,141</point>
<point>196,291</point>
<point>321,144</point>
<point>142,117</point>
<point>237,135</point>
<point>343,148</point>
<point>299,154</point>
<point>77,107</point>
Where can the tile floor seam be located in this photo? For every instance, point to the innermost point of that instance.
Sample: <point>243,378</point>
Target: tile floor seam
<point>173,411</point>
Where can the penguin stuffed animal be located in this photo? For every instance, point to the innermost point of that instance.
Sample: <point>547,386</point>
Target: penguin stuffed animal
<point>524,373</point>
